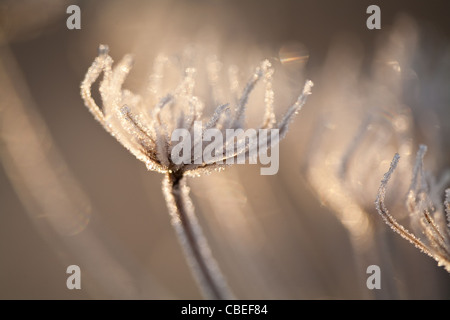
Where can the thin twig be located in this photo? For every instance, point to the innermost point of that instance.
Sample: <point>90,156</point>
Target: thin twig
<point>195,247</point>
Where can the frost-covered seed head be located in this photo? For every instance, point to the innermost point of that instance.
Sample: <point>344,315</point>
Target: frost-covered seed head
<point>137,121</point>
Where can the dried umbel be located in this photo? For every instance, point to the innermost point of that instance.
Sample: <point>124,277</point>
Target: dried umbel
<point>425,211</point>
<point>143,128</point>
<point>140,123</point>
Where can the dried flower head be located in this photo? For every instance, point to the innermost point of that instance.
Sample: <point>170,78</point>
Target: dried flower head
<point>146,131</point>
<point>145,123</point>
<point>425,211</point>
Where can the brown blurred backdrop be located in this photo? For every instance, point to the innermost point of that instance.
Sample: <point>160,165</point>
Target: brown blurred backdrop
<point>272,235</point>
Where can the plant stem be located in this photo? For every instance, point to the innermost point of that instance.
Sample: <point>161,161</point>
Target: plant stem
<point>195,247</point>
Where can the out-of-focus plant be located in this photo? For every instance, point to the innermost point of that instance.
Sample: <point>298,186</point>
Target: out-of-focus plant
<point>53,197</point>
<point>425,209</point>
<point>144,125</point>
<point>365,120</point>
<point>370,112</point>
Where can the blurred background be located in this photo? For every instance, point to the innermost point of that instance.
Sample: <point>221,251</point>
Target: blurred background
<point>70,194</point>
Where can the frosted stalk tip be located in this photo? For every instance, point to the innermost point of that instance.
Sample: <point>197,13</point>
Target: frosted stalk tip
<point>103,49</point>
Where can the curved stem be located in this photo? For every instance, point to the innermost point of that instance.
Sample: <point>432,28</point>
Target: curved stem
<point>195,247</point>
